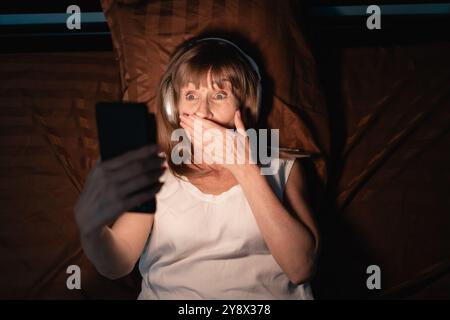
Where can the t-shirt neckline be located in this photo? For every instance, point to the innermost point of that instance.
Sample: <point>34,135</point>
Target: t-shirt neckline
<point>188,186</point>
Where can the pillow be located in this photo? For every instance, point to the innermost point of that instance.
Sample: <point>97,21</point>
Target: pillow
<point>145,33</point>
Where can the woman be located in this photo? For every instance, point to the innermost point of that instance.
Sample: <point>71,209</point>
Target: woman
<point>222,230</point>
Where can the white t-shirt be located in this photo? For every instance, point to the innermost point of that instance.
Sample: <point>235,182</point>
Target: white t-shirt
<point>205,246</point>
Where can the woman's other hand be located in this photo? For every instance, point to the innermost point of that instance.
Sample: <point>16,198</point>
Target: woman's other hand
<point>117,185</point>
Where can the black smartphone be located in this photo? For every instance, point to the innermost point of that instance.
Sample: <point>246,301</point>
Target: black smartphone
<point>122,127</point>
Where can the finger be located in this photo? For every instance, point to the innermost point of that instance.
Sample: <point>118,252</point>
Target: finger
<point>141,197</point>
<point>212,152</point>
<point>92,195</point>
<point>206,137</point>
<point>194,121</point>
<point>92,182</point>
<point>92,170</point>
<point>142,182</point>
<point>205,123</point>
<point>186,120</point>
<point>136,168</point>
<point>105,216</point>
<point>187,129</point>
<point>238,123</point>
<point>201,141</point>
<point>208,133</point>
<point>186,123</point>
<point>140,153</point>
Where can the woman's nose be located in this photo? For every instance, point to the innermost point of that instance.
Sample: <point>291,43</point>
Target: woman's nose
<point>203,109</point>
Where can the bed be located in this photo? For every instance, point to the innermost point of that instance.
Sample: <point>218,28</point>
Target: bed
<point>378,116</point>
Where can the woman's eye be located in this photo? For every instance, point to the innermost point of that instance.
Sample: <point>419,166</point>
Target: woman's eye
<point>221,96</point>
<point>190,97</point>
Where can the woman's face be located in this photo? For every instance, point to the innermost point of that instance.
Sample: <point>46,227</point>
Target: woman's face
<point>209,102</point>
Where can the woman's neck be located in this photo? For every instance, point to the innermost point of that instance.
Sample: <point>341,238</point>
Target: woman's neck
<point>209,173</point>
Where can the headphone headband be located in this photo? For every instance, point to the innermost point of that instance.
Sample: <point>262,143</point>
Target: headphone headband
<point>249,59</point>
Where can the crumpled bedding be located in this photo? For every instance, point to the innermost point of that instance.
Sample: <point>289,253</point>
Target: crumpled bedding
<point>388,197</point>
<point>48,142</point>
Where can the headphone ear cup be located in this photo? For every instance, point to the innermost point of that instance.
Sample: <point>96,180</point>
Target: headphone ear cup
<point>169,104</point>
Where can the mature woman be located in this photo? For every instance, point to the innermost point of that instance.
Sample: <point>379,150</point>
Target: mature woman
<point>222,230</point>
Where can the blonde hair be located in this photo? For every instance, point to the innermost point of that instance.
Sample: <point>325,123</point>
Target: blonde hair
<point>190,63</point>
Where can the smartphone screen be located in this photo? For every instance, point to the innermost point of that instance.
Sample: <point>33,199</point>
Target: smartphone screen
<point>124,127</point>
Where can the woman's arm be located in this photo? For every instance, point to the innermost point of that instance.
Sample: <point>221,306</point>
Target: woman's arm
<point>111,188</point>
<point>292,237</point>
<point>115,251</point>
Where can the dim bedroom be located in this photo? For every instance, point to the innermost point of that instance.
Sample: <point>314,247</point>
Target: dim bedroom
<point>360,101</point>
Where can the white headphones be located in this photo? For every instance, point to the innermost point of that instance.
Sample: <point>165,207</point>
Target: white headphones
<point>169,107</point>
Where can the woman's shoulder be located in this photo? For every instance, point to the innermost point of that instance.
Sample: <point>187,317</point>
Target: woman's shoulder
<point>279,174</point>
<point>170,185</point>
